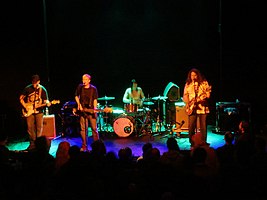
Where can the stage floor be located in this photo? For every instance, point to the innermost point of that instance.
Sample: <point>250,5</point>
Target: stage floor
<point>114,142</point>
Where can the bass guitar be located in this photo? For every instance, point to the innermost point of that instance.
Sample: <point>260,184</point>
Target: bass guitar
<point>90,111</point>
<point>30,108</point>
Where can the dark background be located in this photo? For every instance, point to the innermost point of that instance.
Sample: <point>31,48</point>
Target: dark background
<point>153,41</point>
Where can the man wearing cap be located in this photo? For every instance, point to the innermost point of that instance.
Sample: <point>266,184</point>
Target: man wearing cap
<point>34,99</point>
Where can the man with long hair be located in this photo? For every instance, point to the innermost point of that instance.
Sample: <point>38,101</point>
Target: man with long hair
<point>196,94</point>
<point>133,97</point>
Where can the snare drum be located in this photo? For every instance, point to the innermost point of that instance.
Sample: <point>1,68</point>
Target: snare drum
<point>129,108</point>
<point>124,125</point>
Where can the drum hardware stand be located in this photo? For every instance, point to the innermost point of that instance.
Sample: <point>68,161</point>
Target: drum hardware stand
<point>159,121</point>
<point>146,127</point>
<point>105,127</point>
<point>105,117</point>
<point>99,125</point>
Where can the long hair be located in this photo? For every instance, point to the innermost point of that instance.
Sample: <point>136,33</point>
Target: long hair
<point>200,77</point>
<point>131,84</point>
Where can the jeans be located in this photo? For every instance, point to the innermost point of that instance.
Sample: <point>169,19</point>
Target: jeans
<point>192,126</point>
<point>34,126</point>
<point>84,123</point>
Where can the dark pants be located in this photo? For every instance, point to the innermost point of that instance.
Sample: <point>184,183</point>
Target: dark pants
<point>85,121</point>
<point>192,126</point>
<point>34,127</point>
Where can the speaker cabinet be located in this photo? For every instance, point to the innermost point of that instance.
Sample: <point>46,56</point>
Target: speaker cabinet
<point>229,115</point>
<point>49,126</point>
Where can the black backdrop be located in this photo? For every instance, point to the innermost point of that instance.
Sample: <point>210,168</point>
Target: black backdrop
<point>153,41</point>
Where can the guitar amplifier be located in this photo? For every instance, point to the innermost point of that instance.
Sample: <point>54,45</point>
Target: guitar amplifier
<point>181,117</point>
<point>49,126</point>
<point>229,115</point>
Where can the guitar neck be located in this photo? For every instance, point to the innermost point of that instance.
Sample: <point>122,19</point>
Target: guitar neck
<point>41,105</point>
<point>91,110</point>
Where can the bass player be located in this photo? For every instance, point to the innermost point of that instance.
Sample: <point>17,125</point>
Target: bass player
<point>196,94</point>
<point>86,96</point>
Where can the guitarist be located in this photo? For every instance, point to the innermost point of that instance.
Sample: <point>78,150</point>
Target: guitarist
<point>86,96</point>
<point>196,94</point>
<point>32,96</point>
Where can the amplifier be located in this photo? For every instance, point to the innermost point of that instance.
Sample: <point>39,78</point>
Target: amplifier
<point>229,115</point>
<point>182,117</point>
<point>49,126</point>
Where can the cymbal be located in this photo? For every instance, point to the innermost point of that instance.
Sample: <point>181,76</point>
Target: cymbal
<point>105,98</point>
<point>159,98</point>
<point>148,103</point>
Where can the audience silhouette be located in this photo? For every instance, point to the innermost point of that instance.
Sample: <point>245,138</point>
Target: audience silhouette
<point>174,174</point>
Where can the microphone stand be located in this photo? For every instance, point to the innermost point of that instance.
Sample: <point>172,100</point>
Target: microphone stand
<point>196,85</point>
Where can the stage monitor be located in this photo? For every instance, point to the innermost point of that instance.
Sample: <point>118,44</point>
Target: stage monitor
<point>172,91</point>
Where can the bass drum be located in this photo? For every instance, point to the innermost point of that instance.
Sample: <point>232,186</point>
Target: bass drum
<point>124,126</point>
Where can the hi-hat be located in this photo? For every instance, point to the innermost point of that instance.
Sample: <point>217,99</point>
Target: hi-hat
<point>105,98</point>
<point>159,98</point>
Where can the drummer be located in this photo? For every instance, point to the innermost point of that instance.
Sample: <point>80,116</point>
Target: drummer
<point>133,97</point>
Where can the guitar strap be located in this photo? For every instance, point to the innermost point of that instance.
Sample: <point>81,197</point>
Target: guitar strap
<point>40,91</point>
<point>40,95</point>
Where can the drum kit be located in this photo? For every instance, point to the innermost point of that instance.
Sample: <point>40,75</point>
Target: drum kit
<point>132,118</point>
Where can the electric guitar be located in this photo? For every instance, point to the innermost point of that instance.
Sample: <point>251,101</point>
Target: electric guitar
<point>191,106</point>
<point>30,108</point>
<point>90,111</point>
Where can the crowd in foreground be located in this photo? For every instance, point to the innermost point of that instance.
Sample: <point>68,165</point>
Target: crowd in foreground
<point>235,170</point>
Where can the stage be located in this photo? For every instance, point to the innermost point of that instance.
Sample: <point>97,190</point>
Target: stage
<point>114,142</point>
